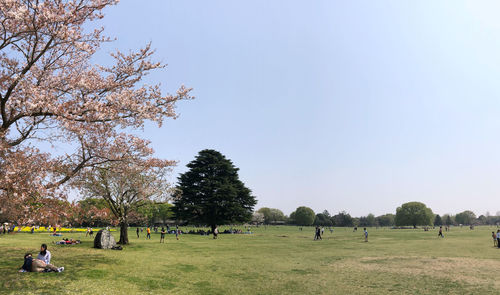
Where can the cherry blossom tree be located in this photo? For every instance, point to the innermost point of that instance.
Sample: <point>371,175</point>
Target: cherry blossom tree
<point>51,94</point>
<point>126,186</point>
<point>91,212</point>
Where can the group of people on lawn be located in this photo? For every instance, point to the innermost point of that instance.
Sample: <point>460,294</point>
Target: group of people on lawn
<point>496,238</point>
<point>41,263</point>
<point>319,231</point>
<point>177,232</point>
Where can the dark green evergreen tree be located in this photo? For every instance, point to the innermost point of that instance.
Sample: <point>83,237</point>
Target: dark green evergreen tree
<point>448,220</point>
<point>438,221</point>
<point>210,192</point>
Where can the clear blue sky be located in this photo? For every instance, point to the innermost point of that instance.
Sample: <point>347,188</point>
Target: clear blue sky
<point>338,105</point>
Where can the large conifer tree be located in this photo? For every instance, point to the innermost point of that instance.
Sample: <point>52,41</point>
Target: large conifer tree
<point>210,192</point>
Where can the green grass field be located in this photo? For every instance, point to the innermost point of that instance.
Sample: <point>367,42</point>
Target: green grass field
<point>273,260</point>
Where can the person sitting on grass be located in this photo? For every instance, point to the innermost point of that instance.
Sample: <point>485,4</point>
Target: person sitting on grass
<point>37,265</point>
<point>44,254</point>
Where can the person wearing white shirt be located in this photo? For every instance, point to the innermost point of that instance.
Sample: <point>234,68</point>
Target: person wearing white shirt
<point>44,254</point>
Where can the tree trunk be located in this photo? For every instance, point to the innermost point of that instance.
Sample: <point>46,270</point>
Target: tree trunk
<point>123,233</point>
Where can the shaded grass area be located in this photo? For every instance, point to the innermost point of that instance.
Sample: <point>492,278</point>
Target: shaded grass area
<point>273,260</point>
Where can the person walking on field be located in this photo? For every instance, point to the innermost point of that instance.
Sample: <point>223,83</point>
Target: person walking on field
<point>148,233</point>
<point>162,237</point>
<point>440,234</point>
<point>366,234</point>
<point>137,232</point>
<point>177,232</point>
<point>317,234</point>
<point>494,239</point>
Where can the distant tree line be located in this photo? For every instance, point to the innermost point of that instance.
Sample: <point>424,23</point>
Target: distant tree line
<point>409,214</point>
<point>305,216</point>
<point>94,212</point>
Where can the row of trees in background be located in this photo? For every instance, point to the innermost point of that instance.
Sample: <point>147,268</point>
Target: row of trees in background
<point>409,214</point>
<point>95,212</point>
<point>305,216</point>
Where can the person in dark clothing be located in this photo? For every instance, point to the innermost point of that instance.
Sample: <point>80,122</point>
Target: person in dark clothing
<point>162,237</point>
<point>440,234</point>
<point>137,231</point>
<point>498,238</point>
<point>28,261</point>
<point>317,236</point>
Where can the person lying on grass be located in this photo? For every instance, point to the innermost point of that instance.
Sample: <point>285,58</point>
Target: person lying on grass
<point>67,242</point>
<point>37,265</point>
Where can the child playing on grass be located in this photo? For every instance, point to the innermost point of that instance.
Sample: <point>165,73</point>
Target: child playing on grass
<point>440,234</point>
<point>366,234</point>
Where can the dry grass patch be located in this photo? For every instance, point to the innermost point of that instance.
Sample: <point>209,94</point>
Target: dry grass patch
<point>472,271</point>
